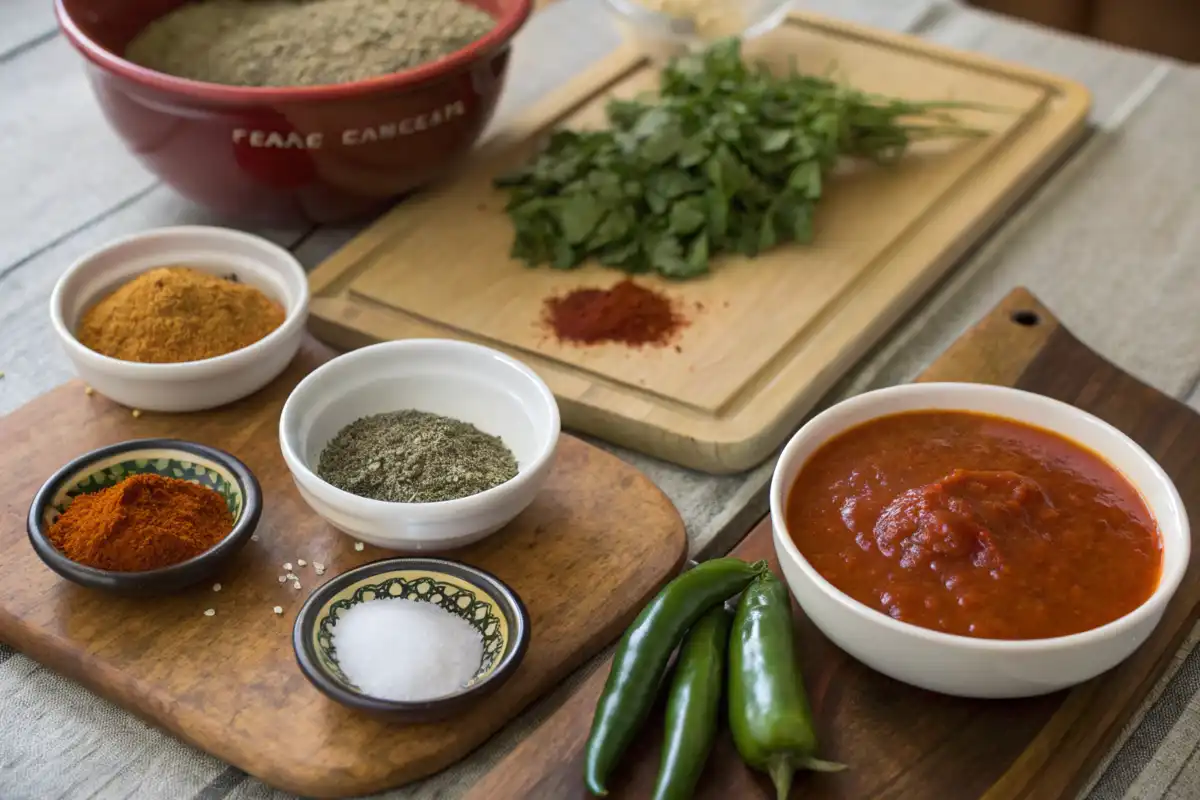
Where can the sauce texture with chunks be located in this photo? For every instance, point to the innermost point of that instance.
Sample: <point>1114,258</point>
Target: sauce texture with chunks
<point>975,525</point>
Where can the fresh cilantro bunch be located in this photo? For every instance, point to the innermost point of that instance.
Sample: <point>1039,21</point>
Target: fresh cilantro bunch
<point>727,157</point>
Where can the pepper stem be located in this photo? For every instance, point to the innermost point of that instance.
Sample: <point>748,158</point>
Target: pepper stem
<point>781,770</point>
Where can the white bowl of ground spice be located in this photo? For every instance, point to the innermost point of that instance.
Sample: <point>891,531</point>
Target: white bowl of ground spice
<point>422,444</point>
<point>183,318</point>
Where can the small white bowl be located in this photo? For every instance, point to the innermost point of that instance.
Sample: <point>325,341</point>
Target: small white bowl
<point>961,665</point>
<point>190,385</point>
<point>475,384</point>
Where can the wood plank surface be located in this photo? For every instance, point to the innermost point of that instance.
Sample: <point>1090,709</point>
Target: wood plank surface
<point>62,165</point>
<point>903,743</point>
<point>23,25</point>
<point>716,402</point>
<point>595,544</point>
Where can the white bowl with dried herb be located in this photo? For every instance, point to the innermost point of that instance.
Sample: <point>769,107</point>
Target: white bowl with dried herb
<point>422,444</point>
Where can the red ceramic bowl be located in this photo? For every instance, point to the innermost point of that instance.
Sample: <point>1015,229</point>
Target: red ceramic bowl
<point>285,155</point>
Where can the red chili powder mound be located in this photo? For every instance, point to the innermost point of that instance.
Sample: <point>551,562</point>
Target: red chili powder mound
<point>626,314</point>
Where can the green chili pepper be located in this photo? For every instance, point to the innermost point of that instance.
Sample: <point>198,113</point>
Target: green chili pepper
<point>769,714</point>
<point>694,705</point>
<point>643,653</point>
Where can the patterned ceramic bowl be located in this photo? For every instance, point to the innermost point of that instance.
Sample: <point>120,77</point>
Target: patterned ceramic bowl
<point>171,458</point>
<point>478,597</point>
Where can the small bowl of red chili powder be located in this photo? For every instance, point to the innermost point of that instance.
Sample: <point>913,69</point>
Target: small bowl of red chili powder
<point>146,516</point>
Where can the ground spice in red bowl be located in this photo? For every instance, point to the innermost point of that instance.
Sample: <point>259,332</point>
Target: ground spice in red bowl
<point>628,313</point>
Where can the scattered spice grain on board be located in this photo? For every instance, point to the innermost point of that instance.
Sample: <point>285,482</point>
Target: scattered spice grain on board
<point>210,612</point>
<point>304,42</point>
<point>143,522</point>
<point>170,315</point>
<point>415,457</point>
<point>374,642</point>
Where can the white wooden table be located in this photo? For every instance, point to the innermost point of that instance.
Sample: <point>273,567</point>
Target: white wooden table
<point>1111,243</point>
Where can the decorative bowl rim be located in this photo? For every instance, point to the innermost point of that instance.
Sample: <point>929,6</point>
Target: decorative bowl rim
<point>508,601</point>
<point>252,505</point>
<point>512,16</point>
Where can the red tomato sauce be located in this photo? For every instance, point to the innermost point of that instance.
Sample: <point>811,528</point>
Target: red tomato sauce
<point>975,525</point>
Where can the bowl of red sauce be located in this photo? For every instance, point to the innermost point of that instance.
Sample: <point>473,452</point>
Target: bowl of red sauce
<point>977,540</point>
<point>291,154</point>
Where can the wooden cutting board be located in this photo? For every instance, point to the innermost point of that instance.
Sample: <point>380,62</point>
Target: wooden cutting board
<point>907,744</point>
<point>596,543</point>
<point>766,339</point>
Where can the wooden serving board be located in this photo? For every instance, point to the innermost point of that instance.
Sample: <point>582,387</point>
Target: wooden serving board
<point>903,743</point>
<point>596,543</point>
<point>767,338</point>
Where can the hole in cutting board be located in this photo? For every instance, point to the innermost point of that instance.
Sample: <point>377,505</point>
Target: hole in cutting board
<point>1025,317</point>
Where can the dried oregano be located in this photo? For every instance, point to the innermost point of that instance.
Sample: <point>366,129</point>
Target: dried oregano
<point>415,457</point>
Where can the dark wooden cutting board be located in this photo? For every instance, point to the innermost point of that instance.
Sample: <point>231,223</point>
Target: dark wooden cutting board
<point>594,545</point>
<point>907,744</point>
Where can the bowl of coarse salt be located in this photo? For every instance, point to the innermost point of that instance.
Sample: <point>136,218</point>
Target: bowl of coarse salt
<point>415,639</point>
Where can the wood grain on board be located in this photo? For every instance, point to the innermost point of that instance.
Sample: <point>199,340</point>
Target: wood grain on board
<point>766,338</point>
<point>596,543</point>
<point>904,743</point>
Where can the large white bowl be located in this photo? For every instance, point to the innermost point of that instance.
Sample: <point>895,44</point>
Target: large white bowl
<point>191,385</point>
<point>475,384</point>
<point>961,665</point>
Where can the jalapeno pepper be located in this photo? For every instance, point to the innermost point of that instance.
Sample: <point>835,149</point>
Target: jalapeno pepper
<point>769,715</point>
<point>694,705</point>
<point>642,655</point>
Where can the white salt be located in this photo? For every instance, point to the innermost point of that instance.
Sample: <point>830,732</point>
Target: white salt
<point>397,649</point>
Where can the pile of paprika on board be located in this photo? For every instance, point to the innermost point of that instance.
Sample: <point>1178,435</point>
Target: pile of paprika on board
<point>627,313</point>
<point>144,522</point>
